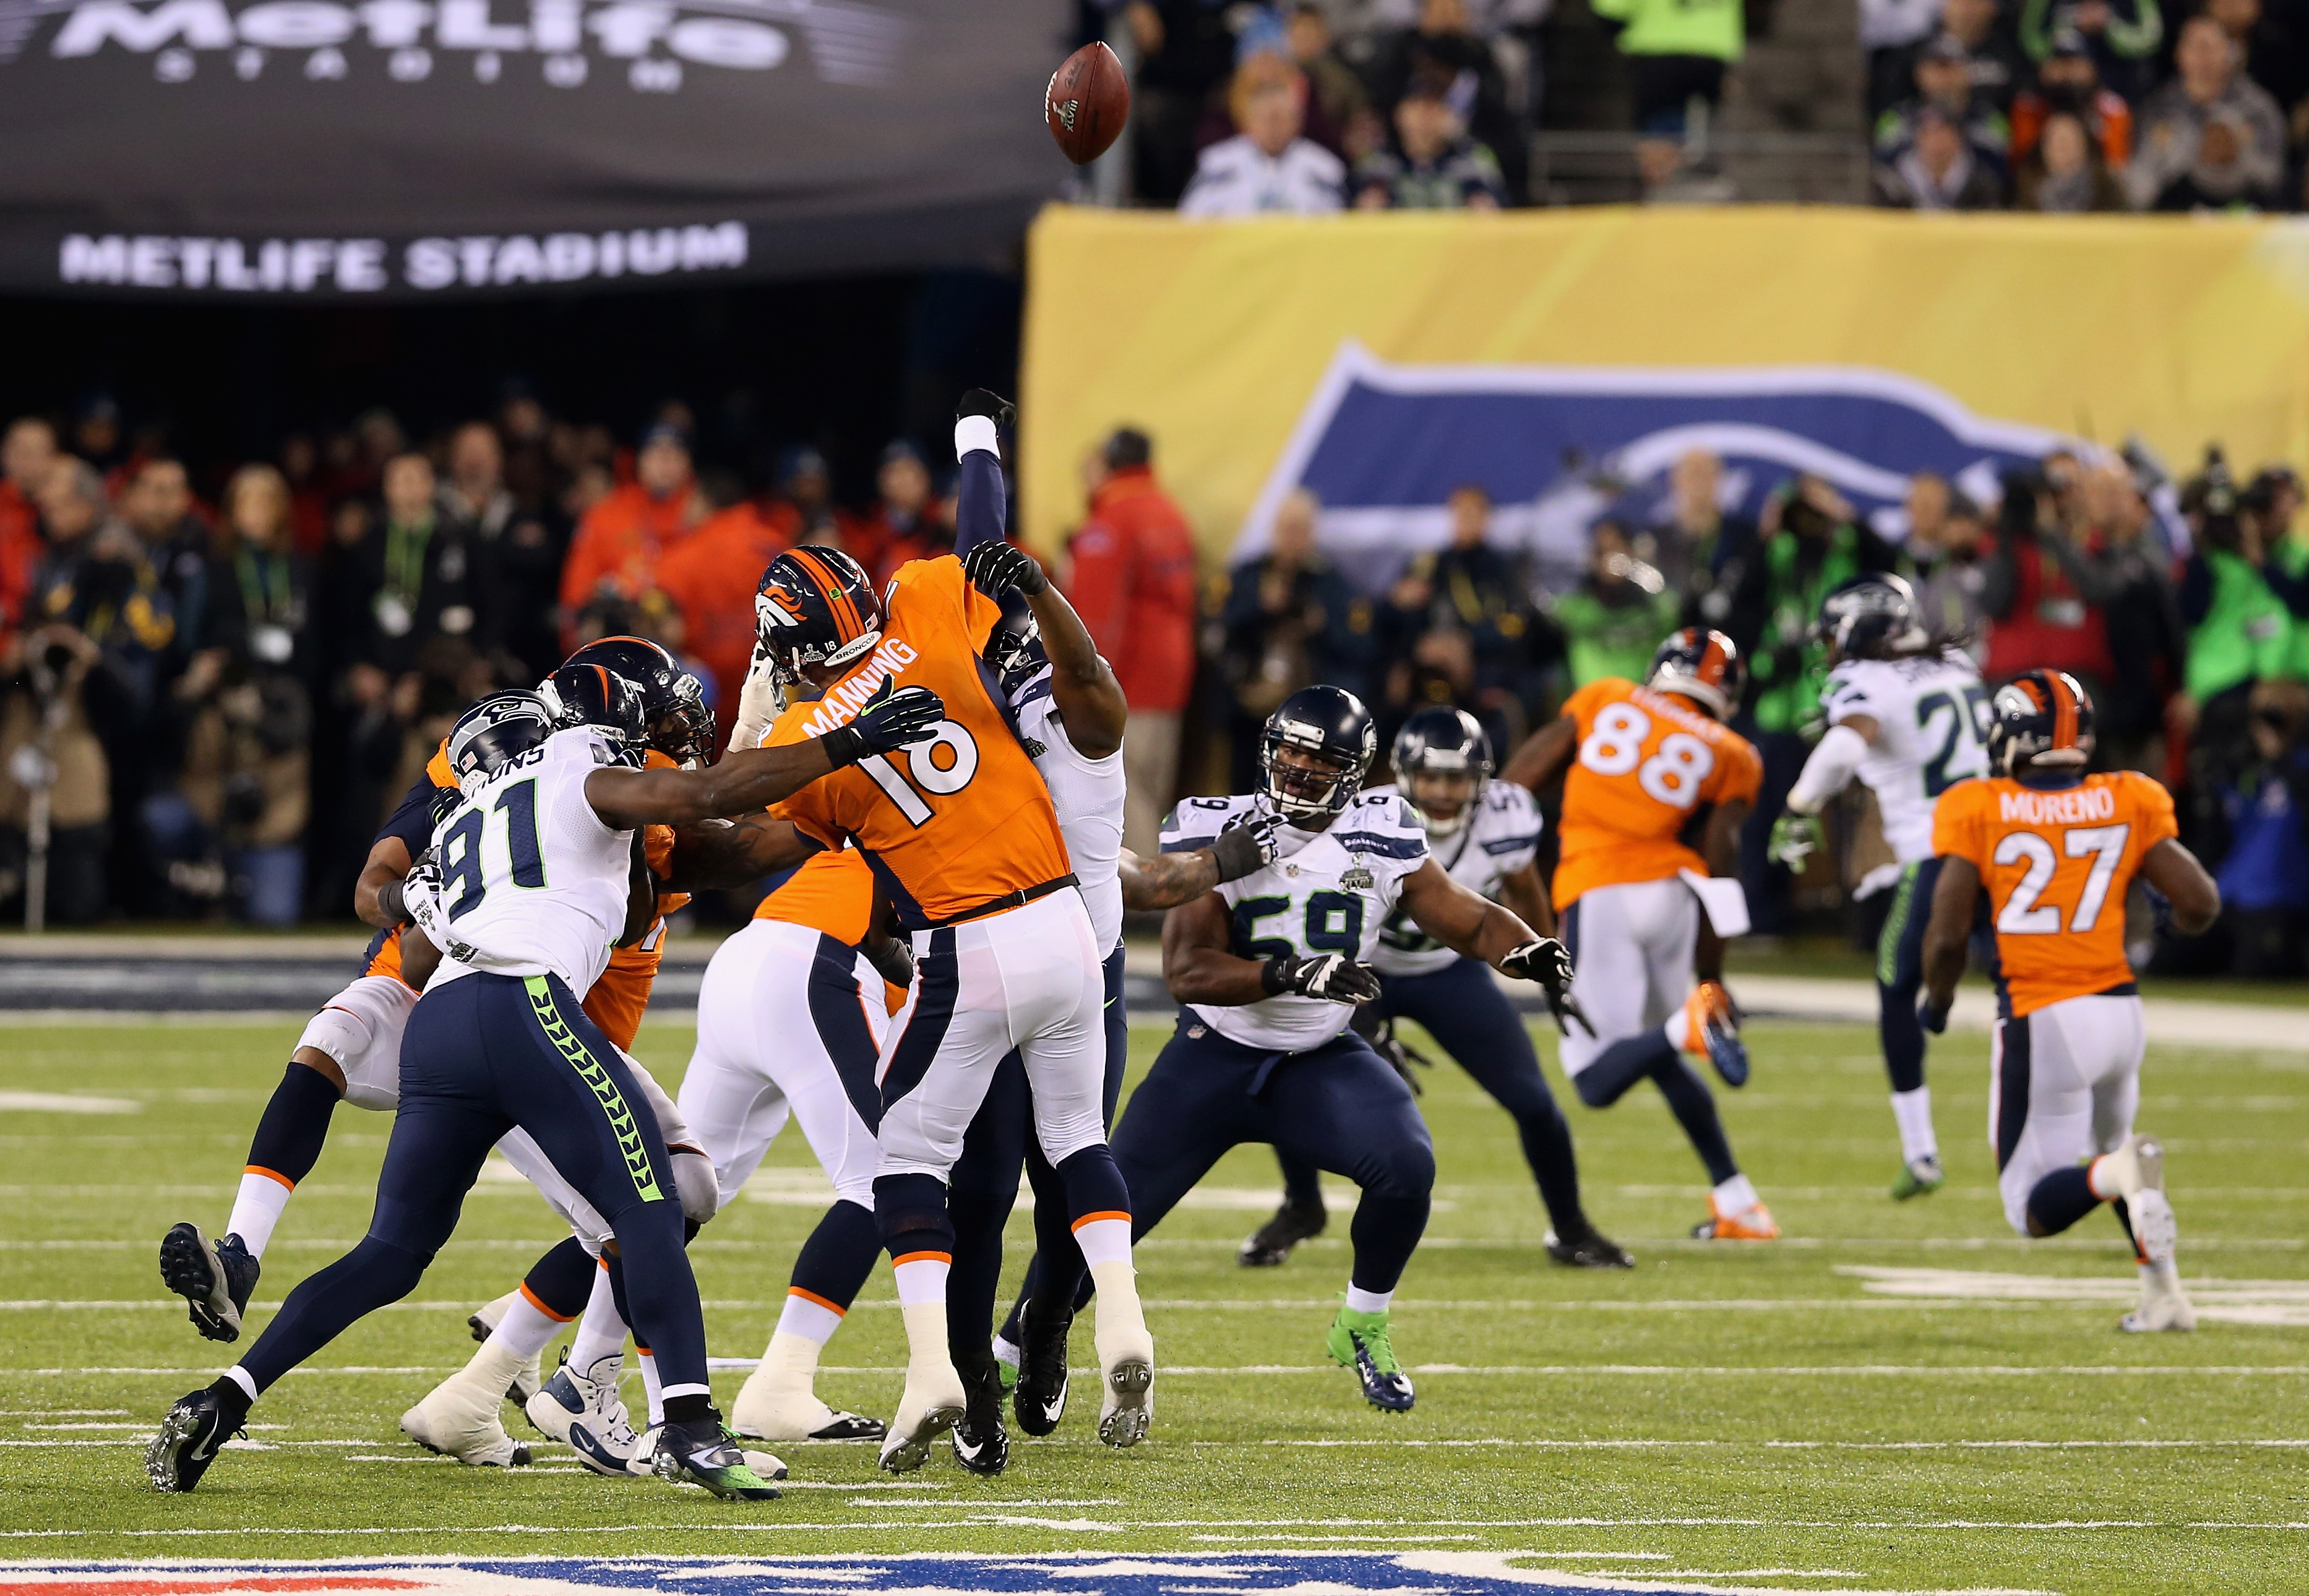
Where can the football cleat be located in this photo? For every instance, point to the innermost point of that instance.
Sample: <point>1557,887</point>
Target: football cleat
<point>1714,1022</point>
<point>459,1418</point>
<point>1040,1397</point>
<point>530,1377</point>
<point>1594,1250</point>
<point>703,1453</point>
<point>2163,1305</point>
<point>1125,1357</point>
<point>1753,1223</point>
<point>1363,1342</point>
<point>214,1277</point>
<point>980,1444</point>
<point>1918,1178</point>
<point>191,1435</point>
<point>923,1415</point>
<point>1272,1242</point>
<point>767,1411</point>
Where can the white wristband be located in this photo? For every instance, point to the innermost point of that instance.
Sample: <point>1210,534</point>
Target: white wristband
<point>975,432</point>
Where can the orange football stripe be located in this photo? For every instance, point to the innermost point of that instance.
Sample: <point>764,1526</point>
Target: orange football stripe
<point>835,1308</point>
<point>921,1258</point>
<point>1103,1213</point>
<point>271,1175</point>
<point>540,1307</point>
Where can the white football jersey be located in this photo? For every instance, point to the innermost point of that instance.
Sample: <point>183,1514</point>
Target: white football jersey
<point>1326,892</point>
<point>1500,837</point>
<point>533,883</point>
<point>1087,795</point>
<point>1931,719</point>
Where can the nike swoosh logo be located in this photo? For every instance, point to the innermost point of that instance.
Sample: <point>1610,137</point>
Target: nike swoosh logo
<point>207,1450</point>
<point>964,1450</point>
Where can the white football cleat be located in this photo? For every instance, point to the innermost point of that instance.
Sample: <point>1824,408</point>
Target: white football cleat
<point>2163,1305</point>
<point>483,1322</point>
<point>581,1407</point>
<point>1126,1360</point>
<point>931,1407</point>
<point>459,1418</point>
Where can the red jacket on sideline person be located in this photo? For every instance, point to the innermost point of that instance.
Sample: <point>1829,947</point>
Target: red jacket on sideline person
<point>1134,586</point>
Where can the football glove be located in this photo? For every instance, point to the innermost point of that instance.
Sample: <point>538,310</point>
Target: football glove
<point>1546,961</point>
<point>1247,847</point>
<point>760,702</point>
<point>1399,1053</point>
<point>995,568</point>
<point>1794,838</point>
<point>1932,1016</point>
<point>979,402</point>
<point>1331,978</point>
<point>893,718</point>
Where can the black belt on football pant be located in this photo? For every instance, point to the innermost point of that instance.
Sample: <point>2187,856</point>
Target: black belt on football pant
<point>1018,900</point>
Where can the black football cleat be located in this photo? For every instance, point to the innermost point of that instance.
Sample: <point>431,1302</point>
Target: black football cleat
<point>215,1278</point>
<point>190,1436</point>
<point>1040,1400</point>
<point>980,1444</point>
<point>703,1452</point>
<point>1595,1250</point>
<point>1272,1242</point>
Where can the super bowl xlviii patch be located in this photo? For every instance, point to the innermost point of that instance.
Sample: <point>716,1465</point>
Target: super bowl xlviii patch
<point>1358,876</point>
<point>769,1574</point>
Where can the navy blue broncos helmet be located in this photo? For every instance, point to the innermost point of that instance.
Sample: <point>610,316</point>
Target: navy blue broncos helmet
<point>675,720</point>
<point>1870,617</point>
<point>586,694</point>
<point>499,728</point>
<point>1330,724</point>
<point>1443,741</point>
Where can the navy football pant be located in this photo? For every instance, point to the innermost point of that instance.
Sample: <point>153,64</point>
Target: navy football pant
<point>1338,1107</point>
<point>483,1054</point>
<point>1471,1019</point>
<point>983,1187</point>
<point>1900,969</point>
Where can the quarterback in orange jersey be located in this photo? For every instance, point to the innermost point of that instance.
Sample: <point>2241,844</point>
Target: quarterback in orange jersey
<point>2055,849</point>
<point>1655,788</point>
<point>964,841</point>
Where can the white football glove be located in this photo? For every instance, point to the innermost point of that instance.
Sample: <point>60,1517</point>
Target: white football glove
<point>760,702</point>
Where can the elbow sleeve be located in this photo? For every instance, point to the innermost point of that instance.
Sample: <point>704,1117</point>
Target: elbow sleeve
<point>1829,769</point>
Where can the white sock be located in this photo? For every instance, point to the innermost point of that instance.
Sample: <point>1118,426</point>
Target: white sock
<point>922,1278</point>
<point>1912,1111</point>
<point>1103,1237</point>
<point>600,1333</point>
<point>1368,1302</point>
<point>242,1378</point>
<point>257,1208</point>
<point>1006,1351</point>
<point>1735,1195</point>
<point>1678,1029</point>
<point>650,1387</point>
<point>525,1328</point>
<point>790,1362</point>
<point>2102,1184</point>
<point>812,1318</point>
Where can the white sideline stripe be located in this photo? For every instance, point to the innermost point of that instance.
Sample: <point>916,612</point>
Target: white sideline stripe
<point>850,1526</point>
<point>65,1102</point>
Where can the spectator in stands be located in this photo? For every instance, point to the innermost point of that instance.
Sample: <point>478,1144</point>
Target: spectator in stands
<point>2264,865</point>
<point>2069,83</point>
<point>2274,500</point>
<point>711,576</point>
<point>1442,48</point>
<point>518,552</point>
<point>1186,56</point>
<point>1944,75</point>
<point>2063,172</point>
<point>26,452</point>
<point>2124,35</point>
<point>1890,31</point>
<point>1945,541</point>
<point>156,504</point>
<point>49,675</point>
<point>1999,67</point>
<point>1689,547</point>
<point>2148,650</point>
<point>2213,138</point>
<point>1677,53</point>
<point>1286,619</point>
<point>805,491</point>
<point>420,568</point>
<point>1940,169</point>
<point>1335,88</point>
<point>2042,593</point>
<point>1132,579</point>
<point>906,522</point>
<point>1434,165</point>
<point>623,537</point>
<point>1472,589</point>
<point>2269,43</point>
<point>1614,619</point>
<point>1267,166</point>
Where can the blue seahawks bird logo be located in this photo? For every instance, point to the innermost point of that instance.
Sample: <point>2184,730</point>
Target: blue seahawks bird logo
<point>1383,446</point>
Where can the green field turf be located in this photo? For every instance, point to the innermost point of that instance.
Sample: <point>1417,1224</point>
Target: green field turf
<point>1759,1415</point>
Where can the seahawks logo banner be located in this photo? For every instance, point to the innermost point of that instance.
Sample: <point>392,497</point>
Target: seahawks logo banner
<point>1560,355</point>
<point>238,149</point>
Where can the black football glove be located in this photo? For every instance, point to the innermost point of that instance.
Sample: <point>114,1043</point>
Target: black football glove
<point>393,902</point>
<point>1334,978</point>
<point>1930,1015</point>
<point>979,402</point>
<point>994,568</point>
<point>892,959</point>
<point>893,718</point>
<point>1400,1055</point>
<point>1546,961</point>
<point>1247,847</point>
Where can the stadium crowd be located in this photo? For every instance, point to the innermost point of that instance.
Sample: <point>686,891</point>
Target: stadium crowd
<point>1312,106</point>
<point>218,680</point>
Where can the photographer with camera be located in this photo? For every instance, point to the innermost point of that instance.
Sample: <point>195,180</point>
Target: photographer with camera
<point>2044,589</point>
<point>54,785</point>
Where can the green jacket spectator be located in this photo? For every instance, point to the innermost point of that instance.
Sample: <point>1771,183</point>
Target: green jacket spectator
<point>2238,631</point>
<point>1616,616</point>
<point>1712,27</point>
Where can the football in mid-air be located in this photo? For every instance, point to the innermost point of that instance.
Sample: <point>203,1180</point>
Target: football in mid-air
<point>1087,103</point>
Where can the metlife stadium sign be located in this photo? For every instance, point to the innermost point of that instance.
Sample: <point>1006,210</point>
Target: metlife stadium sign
<point>224,148</point>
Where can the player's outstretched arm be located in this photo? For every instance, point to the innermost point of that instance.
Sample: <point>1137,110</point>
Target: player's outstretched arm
<point>1090,701</point>
<point>1169,879</point>
<point>1945,935</point>
<point>1544,754</point>
<point>2174,871</point>
<point>754,779</point>
<point>376,895</point>
<point>1474,926</point>
<point>714,854</point>
<point>1826,772</point>
<point>1526,894</point>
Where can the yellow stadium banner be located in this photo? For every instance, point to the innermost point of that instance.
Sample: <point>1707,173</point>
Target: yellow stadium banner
<point>1562,359</point>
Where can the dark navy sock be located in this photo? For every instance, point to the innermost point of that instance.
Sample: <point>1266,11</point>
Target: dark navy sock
<point>911,1215</point>
<point>560,1282</point>
<point>975,1276</point>
<point>1694,1107</point>
<point>2061,1199</point>
<point>1546,1137</point>
<point>374,1273</point>
<point>1302,1183</point>
<point>662,1291</point>
<point>1902,1035</point>
<point>616,1266</point>
<point>1092,1184</point>
<point>838,1255</point>
<point>1386,1232</point>
<point>295,1124</point>
<point>2124,1219</point>
<point>1621,1065</point>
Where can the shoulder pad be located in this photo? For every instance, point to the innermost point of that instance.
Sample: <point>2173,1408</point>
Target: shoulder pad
<point>1197,822</point>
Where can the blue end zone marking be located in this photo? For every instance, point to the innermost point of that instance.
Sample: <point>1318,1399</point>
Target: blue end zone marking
<point>769,1574</point>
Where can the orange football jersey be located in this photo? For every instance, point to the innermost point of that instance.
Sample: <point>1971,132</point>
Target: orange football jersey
<point>833,892</point>
<point>948,824</point>
<point>1646,764</point>
<point>2055,865</point>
